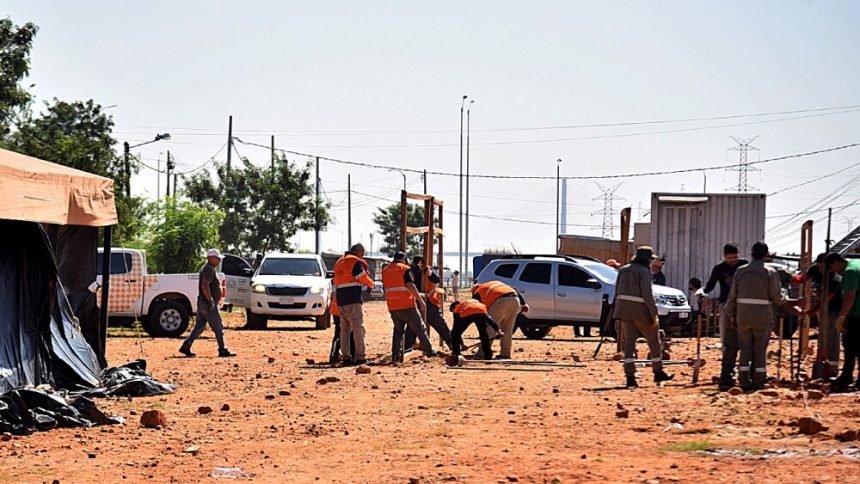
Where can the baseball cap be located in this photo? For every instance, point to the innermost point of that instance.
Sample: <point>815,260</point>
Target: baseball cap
<point>214,253</point>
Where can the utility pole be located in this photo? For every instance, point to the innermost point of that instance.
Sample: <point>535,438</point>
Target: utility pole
<point>170,166</point>
<point>348,211</point>
<point>371,244</point>
<point>158,177</point>
<point>607,229</point>
<point>229,141</point>
<point>827,241</point>
<point>126,168</point>
<point>273,156</point>
<point>460,232</point>
<point>317,209</point>
<point>424,177</point>
<point>743,147</point>
<point>175,179</point>
<point>557,202</point>
<point>705,183</point>
<point>468,172</point>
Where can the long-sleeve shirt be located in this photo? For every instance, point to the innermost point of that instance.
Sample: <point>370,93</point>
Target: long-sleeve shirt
<point>634,297</point>
<point>755,290</point>
<point>723,274</point>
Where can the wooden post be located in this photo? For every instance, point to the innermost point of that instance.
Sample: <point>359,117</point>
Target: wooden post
<point>623,254</point>
<point>805,262</point>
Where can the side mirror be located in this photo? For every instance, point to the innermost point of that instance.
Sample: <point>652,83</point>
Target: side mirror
<point>247,271</point>
<point>593,284</point>
<point>329,274</point>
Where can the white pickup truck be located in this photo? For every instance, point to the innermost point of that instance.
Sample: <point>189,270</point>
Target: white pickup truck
<point>164,303</point>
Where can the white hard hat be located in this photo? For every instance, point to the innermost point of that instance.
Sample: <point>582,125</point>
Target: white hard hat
<point>214,253</point>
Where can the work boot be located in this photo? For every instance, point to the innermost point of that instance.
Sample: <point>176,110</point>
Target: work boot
<point>225,353</point>
<point>631,382</point>
<point>662,376</point>
<point>187,352</point>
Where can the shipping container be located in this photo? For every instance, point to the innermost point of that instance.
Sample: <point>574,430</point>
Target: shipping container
<point>599,248</point>
<point>689,230</point>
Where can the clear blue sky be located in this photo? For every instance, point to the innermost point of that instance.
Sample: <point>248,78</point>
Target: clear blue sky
<point>328,67</point>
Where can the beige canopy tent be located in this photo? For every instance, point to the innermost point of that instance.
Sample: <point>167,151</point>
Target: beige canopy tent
<point>50,217</point>
<point>40,191</point>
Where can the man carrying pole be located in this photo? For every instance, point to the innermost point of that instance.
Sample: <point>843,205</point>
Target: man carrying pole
<point>636,310</point>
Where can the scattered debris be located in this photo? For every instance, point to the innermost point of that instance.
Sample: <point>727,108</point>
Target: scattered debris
<point>271,359</point>
<point>735,391</point>
<point>809,425</point>
<point>228,473</point>
<point>623,413</point>
<point>284,393</point>
<point>204,410</point>
<point>846,436</point>
<point>225,407</point>
<point>362,370</point>
<point>815,395</point>
<point>193,450</point>
<point>153,419</point>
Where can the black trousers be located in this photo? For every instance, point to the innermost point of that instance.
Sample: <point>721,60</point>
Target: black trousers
<point>851,344</point>
<point>460,326</point>
<point>334,354</point>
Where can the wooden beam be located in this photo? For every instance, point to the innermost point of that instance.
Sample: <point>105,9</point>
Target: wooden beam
<point>417,230</point>
<point>418,196</point>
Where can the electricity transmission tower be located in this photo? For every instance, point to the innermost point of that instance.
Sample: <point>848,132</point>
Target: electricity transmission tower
<point>607,227</point>
<point>743,168</point>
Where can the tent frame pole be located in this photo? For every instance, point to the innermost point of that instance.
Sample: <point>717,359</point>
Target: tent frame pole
<point>103,313</point>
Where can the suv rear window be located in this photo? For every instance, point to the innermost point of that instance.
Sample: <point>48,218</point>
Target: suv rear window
<point>506,270</point>
<point>537,273</point>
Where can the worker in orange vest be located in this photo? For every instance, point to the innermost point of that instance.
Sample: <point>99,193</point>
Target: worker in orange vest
<point>466,313</point>
<point>434,294</point>
<point>334,354</point>
<point>350,273</point>
<point>504,304</point>
<point>403,300</point>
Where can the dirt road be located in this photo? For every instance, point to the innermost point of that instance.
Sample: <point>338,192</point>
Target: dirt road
<point>272,421</point>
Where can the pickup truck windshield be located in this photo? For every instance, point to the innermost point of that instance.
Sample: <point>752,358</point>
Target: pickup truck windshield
<point>290,267</point>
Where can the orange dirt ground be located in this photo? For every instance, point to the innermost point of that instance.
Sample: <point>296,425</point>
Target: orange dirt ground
<point>422,422</point>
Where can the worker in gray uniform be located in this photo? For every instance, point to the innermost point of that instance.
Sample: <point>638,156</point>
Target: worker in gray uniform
<point>755,290</point>
<point>636,309</point>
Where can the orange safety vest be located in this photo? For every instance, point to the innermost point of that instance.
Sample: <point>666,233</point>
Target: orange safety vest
<point>434,294</point>
<point>343,272</point>
<point>470,307</point>
<point>334,310</point>
<point>491,291</point>
<point>397,295</point>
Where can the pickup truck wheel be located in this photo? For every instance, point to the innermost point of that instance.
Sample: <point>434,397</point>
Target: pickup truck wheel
<point>324,321</point>
<point>255,321</point>
<point>536,332</point>
<point>169,319</point>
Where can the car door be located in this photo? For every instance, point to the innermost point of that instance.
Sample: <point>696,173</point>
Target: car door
<point>535,283</point>
<point>238,274</point>
<point>579,296</point>
<point>126,282</point>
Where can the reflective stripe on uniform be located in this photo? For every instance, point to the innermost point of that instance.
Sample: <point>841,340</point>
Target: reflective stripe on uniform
<point>395,289</point>
<point>761,370</point>
<point>655,360</point>
<point>761,302</point>
<point>360,275</point>
<point>348,284</point>
<point>624,297</point>
<point>629,360</point>
<point>743,368</point>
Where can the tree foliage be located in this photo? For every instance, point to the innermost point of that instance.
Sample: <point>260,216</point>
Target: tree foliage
<point>387,219</point>
<point>177,234</point>
<point>15,44</point>
<point>263,208</point>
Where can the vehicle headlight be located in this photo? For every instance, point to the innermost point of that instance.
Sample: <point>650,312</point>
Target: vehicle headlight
<point>259,288</point>
<point>316,290</point>
<point>661,299</point>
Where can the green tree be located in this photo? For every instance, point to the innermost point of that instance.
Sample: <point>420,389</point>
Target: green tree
<point>15,44</point>
<point>387,219</point>
<point>177,235</point>
<point>262,208</point>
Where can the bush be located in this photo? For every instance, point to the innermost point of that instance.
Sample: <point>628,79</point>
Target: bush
<point>177,235</point>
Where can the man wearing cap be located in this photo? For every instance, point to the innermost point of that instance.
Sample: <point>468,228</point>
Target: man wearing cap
<point>657,276</point>
<point>350,273</point>
<point>848,318</point>
<point>208,294</point>
<point>755,290</point>
<point>636,309</point>
<point>723,274</point>
<point>402,296</point>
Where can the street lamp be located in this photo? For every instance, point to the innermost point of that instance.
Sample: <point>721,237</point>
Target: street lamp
<point>126,148</point>
<point>401,174</point>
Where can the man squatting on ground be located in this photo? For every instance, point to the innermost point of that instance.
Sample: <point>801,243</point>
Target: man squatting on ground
<point>636,309</point>
<point>401,296</point>
<point>350,272</point>
<point>208,294</point>
<point>470,312</point>
<point>504,304</point>
<point>724,273</point>
<point>755,290</point>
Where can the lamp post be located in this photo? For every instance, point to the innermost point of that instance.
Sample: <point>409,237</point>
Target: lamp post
<point>401,174</point>
<point>557,201</point>
<point>460,244</point>
<point>126,167</point>
<point>468,171</point>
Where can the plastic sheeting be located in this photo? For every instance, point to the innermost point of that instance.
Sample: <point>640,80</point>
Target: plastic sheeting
<point>27,410</point>
<point>129,380</point>
<point>40,338</point>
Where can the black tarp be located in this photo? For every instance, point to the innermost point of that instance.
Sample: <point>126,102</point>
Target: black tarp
<point>40,338</point>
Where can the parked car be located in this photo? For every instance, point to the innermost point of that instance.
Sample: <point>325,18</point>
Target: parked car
<point>290,287</point>
<point>571,291</point>
<point>163,302</point>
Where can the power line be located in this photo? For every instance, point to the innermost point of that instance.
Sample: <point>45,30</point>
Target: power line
<point>267,132</point>
<point>593,177</point>
<point>813,180</point>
